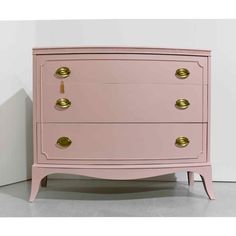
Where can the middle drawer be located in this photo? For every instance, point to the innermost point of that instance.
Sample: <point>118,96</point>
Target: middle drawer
<point>123,103</point>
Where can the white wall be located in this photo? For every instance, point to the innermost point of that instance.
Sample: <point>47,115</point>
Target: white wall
<point>217,35</point>
<point>16,41</point>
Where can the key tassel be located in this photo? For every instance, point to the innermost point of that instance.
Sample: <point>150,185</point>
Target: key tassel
<point>62,87</point>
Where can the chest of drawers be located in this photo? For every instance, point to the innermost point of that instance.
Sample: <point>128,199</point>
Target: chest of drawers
<point>121,113</point>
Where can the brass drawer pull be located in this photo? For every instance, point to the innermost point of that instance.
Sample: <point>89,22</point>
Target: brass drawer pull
<point>63,72</point>
<point>182,104</point>
<point>182,73</point>
<point>64,142</point>
<point>63,103</point>
<point>182,142</point>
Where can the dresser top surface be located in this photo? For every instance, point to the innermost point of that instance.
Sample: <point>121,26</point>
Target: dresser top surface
<point>120,50</point>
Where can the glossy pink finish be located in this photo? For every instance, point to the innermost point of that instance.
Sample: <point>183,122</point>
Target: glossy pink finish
<point>123,121</point>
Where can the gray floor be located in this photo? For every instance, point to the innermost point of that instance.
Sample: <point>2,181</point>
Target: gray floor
<point>117,198</point>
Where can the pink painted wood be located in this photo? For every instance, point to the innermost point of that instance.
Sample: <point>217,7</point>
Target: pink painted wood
<point>97,69</point>
<point>122,173</point>
<point>124,50</point>
<point>121,142</point>
<point>123,103</point>
<point>122,121</point>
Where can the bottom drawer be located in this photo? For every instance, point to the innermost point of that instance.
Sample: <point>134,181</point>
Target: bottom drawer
<point>121,143</point>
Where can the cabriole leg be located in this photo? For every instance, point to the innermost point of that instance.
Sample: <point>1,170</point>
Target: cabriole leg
<point>37,175</point>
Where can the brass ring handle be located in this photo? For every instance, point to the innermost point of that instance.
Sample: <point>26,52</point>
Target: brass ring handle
<point>182,104</point>
<point>64,142</point>
<point>182,73</point>
<point>63,72</point>
<point>63,103</point>
<point>182,142</point>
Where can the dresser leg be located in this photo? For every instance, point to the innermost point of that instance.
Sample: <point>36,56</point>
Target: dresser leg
<point>34,189</point>
<point>37,176</point>
<point>44,181</point>
<point>190,178</point>
<point>206,176</point>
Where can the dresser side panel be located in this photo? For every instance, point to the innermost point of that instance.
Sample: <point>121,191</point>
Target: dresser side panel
<point>209,110</point>
<point>35,107</point>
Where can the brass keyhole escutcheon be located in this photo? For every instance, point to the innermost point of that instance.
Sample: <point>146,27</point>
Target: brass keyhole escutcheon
<point>62,72</point>
<point>63,103</point>
<point>182,104</point>
<point>64,142</point>
<point>182,142</point>
<point>182,73</point>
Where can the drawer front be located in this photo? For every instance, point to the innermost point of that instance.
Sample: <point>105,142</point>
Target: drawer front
<point>125,69</point>
<point>119,143</point>
<point>124,103</point>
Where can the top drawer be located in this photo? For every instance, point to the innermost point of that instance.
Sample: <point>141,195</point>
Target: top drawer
<point>124,68</point>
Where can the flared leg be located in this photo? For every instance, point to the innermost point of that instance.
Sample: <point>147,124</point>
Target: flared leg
<point>37,176</point>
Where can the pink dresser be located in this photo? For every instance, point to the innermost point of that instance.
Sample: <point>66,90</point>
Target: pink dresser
<point>121,113</point>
